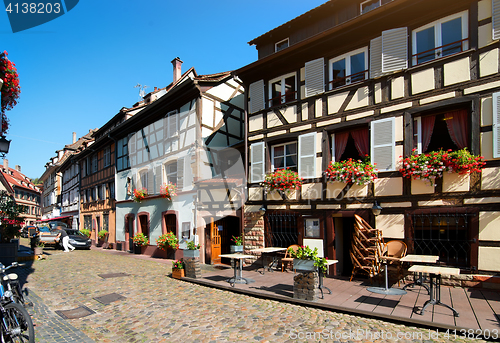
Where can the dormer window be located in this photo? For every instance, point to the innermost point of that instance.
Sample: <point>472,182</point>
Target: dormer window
<point>281,45</point>
<point>369,5</point>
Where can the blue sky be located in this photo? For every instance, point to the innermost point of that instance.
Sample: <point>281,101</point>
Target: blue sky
<point>78,70</point>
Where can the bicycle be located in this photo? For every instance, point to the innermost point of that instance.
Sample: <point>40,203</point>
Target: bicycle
<point>15,321</point>
<point>11,283</point>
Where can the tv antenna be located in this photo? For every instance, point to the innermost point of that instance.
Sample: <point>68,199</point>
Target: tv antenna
<point>142,90</point>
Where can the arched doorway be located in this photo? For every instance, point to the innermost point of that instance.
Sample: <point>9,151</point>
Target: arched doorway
<point>143,223</point>
<point>129,232</point>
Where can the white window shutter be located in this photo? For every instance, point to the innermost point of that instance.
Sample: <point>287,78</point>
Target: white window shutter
<point>382,144</point>
<point>172,124</point>
<point>394,49</point>
<point>257,159</point>
<point>315,78</point>
<point>158,174</point>
<point>333,148</point>
<point>151,181</point>
<point>307,155</point>
<point>180,173</point>
<point>188,174</point>
<point>495,17</point>
<point>131,144</point>
<point>376,57</point>
<point>256,92</point>
<point>139,181</point>
<point>496,125</point>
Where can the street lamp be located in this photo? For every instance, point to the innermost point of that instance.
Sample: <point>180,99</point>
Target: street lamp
<point>376,209</point>
<point>4,146</point>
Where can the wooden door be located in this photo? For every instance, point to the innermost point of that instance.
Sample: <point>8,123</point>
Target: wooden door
<point>216,242</point>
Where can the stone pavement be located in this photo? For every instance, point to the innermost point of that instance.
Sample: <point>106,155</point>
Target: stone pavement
<point>157,308</point>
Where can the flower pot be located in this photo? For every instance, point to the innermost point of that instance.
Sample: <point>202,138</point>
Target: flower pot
<point>236,248</point>
<point>177,273</point>
<point>191,253</point>
<point>303,265</point>
<point>38,250</point>
<point>137,249</point>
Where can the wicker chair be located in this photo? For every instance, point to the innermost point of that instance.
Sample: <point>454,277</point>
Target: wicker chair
<point>287,260</point>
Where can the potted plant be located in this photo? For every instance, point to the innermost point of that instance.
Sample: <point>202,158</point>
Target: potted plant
<point>140,240</point>
<point>140,194</point>
<point>306,259</point>
<point>352,171</point>
<point>178,269</point>
<point>102,235</point>
<point>238,244</point>
<point>10,221</point>
<point>38,250</point>
<point>9,88</point>
<point>168,242</point>
<point>283,181</point>
<point>192,251</point>
<point>168,190</point>
<point>86,232</point>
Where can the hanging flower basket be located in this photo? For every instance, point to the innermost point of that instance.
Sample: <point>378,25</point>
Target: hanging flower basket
<point>168,190</point>
<point>140,194</point>
<point>282,180</point>
<point>10,89</point>
<point>352,171</point>
<point>430,166</point>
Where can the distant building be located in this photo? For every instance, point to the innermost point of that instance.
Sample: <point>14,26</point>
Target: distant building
<point>24,191</point>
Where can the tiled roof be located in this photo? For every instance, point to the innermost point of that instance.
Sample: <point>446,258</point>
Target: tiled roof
<point>213,77</point>
<point>18,179</point>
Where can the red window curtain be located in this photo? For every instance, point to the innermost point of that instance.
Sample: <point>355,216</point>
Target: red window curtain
<point>427,129</point>
<point>362,141</point>
<point>458,127</point>
<point>340,143</point>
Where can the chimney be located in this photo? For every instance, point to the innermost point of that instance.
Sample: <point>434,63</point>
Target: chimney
<point>18,168</point>
<point>177,68</point>
<point>6,164</point>
<point>74,137</point>
<point>156,88</point>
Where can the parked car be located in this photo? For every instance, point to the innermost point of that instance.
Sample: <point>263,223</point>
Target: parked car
<point>48,237</point>
<point>78,239</point>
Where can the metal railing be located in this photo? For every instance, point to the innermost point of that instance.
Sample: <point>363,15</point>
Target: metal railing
<point>349,79</point>
<point>281,229</point>
<point>440,51</point>
<point>444,234</point>
<point>283,99</point>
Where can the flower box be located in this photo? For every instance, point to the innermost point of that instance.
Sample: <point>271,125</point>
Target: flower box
<point>177,273</point>
<point>303,265</point>
<point>191,253</point>
<point>236,248</point>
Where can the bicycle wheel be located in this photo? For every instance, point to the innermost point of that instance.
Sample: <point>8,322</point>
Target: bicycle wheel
<point>17,324</point>
<point>18,296</point>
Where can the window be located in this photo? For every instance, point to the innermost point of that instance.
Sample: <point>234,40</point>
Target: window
<point>87,222</point>
<point>105,222</point>
<point>171,172</point>
<point>281,45</point>
<point>284,156</point>
<point>449,130</point>
<point>282,90</point>
<point>122,161</point>
<point>312,228</point>
<point>440,38</point>
<point>112,190</point>
<point>143,179</point>
<point>349,68</point>
<point>100,192</point>
<point>94,163</point>
<point>354,143</point>
<point>369,5</point>
<point>107,157</point>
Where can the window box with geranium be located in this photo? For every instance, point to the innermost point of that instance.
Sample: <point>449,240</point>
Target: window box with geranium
<point>306,259</point>
<point>432,165</point>
<point>352,171</point>
<point>168,190</point>
<point>140,194</point>
<point>284,181</point>
<point>192,251</point>
<point>177,269</point>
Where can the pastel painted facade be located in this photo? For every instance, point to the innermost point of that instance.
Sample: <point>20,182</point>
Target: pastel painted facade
<point>400,76</point>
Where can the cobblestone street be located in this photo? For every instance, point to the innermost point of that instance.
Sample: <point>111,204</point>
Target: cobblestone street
<point>157,308</point>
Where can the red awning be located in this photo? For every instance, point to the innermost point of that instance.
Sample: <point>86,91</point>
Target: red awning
<point>55,218</point>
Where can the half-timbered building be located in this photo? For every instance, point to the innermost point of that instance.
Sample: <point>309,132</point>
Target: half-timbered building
<point>186,137</point>
<point>378,78</point>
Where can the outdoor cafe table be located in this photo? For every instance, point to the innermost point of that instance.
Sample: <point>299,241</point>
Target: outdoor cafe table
<point>387,290</point>
<point>269,250</point>
<point>425,259</point>
<point>238,268</point>
<point>435,279</point>
<point>320,276</point>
